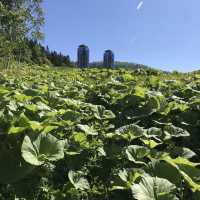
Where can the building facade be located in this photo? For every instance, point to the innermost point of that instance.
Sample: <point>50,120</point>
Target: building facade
<point>83,56</point>
<point>108,60</point>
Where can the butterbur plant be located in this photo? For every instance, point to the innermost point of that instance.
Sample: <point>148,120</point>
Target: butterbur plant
<point>126,141</point>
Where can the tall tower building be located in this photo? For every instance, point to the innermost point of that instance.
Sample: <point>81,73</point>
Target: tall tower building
<point>108,60</point>
<point>83,56</point>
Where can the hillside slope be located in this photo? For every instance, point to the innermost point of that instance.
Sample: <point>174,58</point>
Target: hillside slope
<point>99,134</point>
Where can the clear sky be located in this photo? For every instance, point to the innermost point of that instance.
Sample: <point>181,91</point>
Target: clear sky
<point>161,33</point>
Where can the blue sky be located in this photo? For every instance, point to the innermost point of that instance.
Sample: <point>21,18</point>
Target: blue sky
<point>161,33</point>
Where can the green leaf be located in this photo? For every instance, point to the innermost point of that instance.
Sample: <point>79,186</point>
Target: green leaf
<point>187,153</point>
<point>173,131</point>
<point>131,131</point>
<point>31,92</point>
<point>130,175</point>
<point>101,113</point>
<point>151,143</point>
<point>35,126</point>
<point>187,170</point>
<point>78,181</point>
<point>81,139</point>
<point>48,129</point>
<point>181,161</point>
<point>87,130</point>
<point>136,153</point>
<point>127,178</point>
<point>24,123</point>
<point>12,106</point>
<point>31,107</point>
<point>42,106</point>
<point>43,148</point>
<point>70,115</point>
<point>163,169</point>
<point>154,133</point>
<point>182,152</point>
<point>23,120</point>
<point>3,91</point>
<point>154,188</point>
<point>101,151</point>
<point>16,130</point>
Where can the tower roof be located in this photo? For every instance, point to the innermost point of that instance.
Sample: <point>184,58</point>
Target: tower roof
<point>83,45</point>
<point>108,50</point>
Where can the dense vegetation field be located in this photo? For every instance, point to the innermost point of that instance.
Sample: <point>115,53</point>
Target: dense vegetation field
<point>99,134</point>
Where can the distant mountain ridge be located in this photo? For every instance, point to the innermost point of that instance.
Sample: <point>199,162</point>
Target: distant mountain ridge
<point>119,64</point>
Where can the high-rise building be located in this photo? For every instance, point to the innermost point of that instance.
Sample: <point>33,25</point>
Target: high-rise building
<point>108,60</point>
<point>83,56</point>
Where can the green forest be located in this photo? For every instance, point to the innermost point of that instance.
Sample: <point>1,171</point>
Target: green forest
<point>95,133</point>
<point>20,35</point>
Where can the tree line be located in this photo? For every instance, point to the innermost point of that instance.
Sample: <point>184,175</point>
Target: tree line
<point>20,33</point>
<point>38,54</point>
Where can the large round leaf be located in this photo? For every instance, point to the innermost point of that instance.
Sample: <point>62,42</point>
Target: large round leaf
<point>153,188</point>
<point>44,148</point>
<point>136,153</point>
<point>164,170</point>
<point>173,131</point>
<point>131,131</point>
